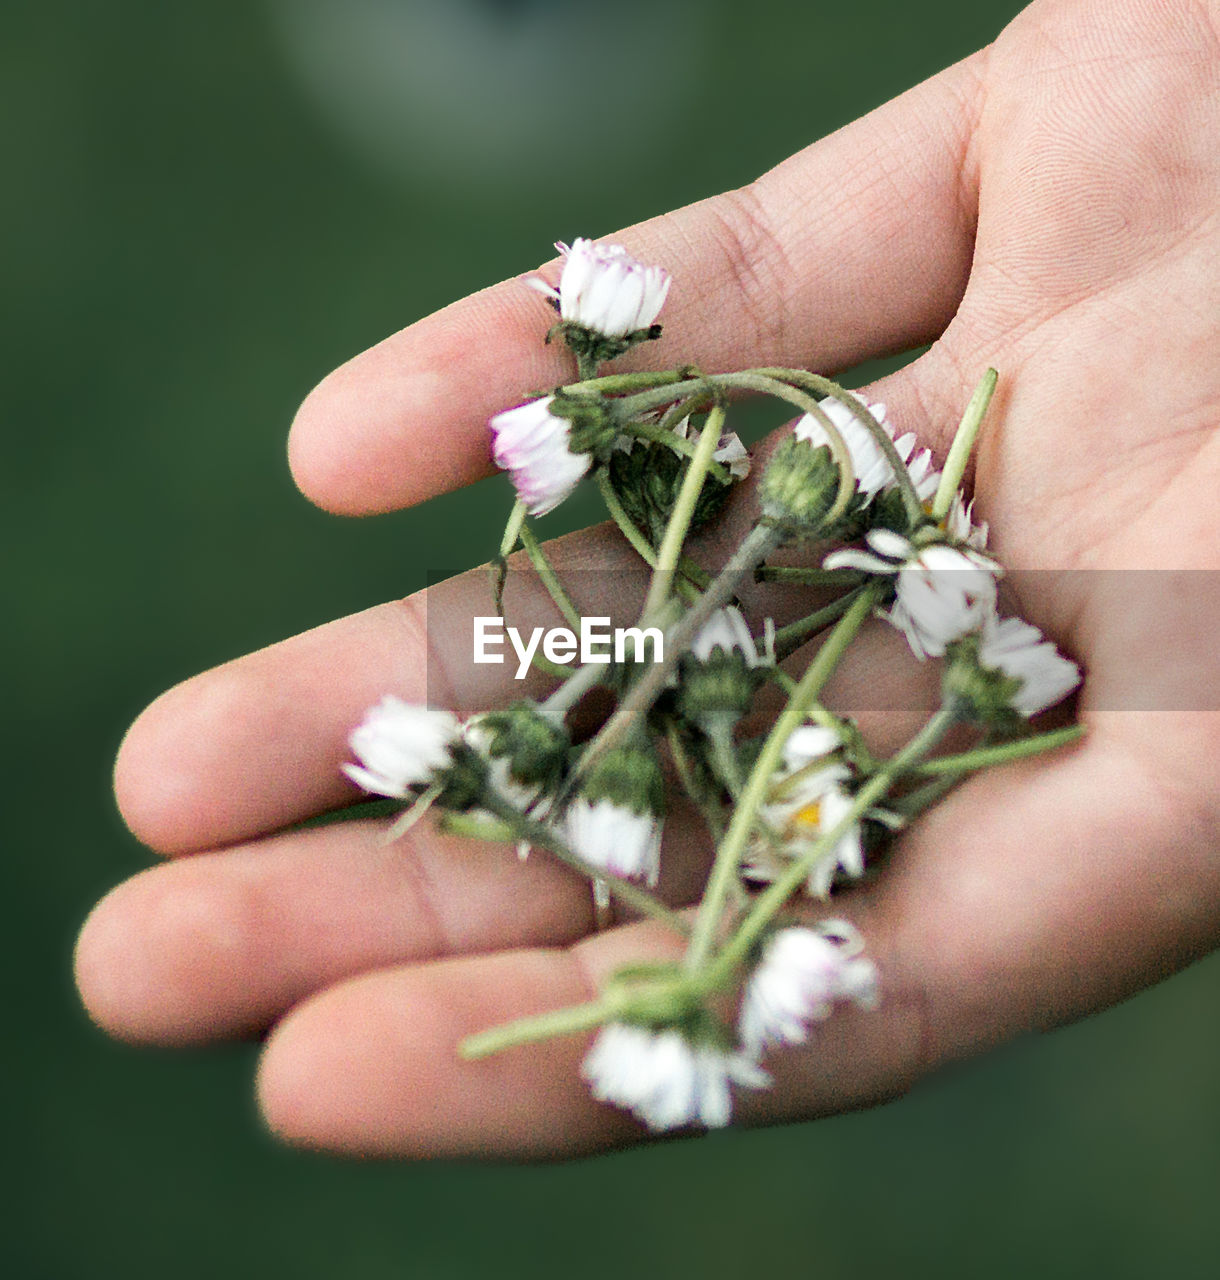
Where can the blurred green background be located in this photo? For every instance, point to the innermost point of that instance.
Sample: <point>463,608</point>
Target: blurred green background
<point>208,207</point>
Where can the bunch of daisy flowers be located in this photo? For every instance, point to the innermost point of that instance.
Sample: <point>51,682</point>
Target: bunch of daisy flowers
<point>795,813</point>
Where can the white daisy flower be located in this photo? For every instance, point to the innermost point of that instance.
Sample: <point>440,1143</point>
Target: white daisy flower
<point>803,972</point>
<point>805,804</point>
<point>942,592</point>
<point>401,745</point>
<point>1021,652</point>
<point>534,446</point>
<point>872,468</point>
<point>615,838</point>
<point>663,1078</point>
<point>604,289</point>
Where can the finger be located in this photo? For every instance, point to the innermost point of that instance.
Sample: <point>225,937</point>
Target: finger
<point>371,1067</point>
<point>858,246</point>
<point>1014,905</point>
<point>222,944</point>
<point>257,743</point>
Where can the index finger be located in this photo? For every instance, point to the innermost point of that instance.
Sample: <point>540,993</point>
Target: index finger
<point>858,246</point>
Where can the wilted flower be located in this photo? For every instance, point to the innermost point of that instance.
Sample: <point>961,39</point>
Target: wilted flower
<point>664,1078</point>
<point>1021,652</point>
<point>604,289</point>
<point>942,592</point>
<point>534,446</point>
<point>401,745</point>
<point>614,838</point>
<point>803,972</point>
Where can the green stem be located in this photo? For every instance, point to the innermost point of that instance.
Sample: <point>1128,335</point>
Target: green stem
<point>516,518</point>
<point>1001,753</point>
<point>622,383</point>
<point>558,1022</point>
<point>963,445</point>
<point>626,526</point>
<point>911,805</point>
<point>652,432</point>
<point>728,856</point>
<point>670,551</point>
<point>768,903</point>
<point>753,550</point>
<point>586,370</point>
<point>788,639</point>
<point>542,566</point>
<point>808,577</point>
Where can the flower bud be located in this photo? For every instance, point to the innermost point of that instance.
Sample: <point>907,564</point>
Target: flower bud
<point>798,487</point>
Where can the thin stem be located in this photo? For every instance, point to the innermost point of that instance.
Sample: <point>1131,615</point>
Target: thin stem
<point>586,369</point>
<point>626,525</point>
<point>543,1026</point>
<point>621,383</point>
<point>516,518</point>
<point>777,894</point>
<point>728,856</point>
<point>670,551</point>
<point>677,411</point>
<point>1001,753</point>
<point>644,401</point>
<point>788,639</point>
<point>652,432</point>
<point>801,576</point>
<point>753,550</point>
<point>542,566</point>
<point>963,445</point>
<point>412,815</point>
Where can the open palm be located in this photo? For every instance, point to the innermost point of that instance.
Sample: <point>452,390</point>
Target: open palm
<point>1049,207</point>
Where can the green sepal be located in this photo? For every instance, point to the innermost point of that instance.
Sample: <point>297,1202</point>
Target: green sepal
<point>629,777</point>
<point>591,347</point>
<point>534,747</point>
<point>646,481</point>
<point>722,684</point>
<point>799,487</point>
<point>593,425</point>
<point>982,694</point>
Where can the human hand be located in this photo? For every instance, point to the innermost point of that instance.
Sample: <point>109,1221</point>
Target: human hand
<point>1046,207</point>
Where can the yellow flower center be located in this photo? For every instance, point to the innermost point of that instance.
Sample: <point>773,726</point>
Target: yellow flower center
<point>807,818</point>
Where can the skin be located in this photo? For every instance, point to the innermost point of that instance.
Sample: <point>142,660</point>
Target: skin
<point>1048,206</point>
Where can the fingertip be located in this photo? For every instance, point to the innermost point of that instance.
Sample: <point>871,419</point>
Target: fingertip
<point>371,1068</point>
<point>170,750</point>
<point>151,959</point>
<point>407,419</point>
